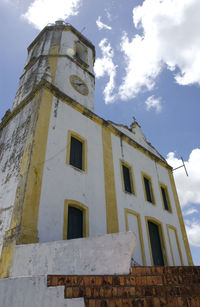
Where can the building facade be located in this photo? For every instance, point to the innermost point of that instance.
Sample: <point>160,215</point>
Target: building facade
<point>67,173</point>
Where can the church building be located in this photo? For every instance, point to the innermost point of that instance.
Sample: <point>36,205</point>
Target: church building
<point>67,173</point>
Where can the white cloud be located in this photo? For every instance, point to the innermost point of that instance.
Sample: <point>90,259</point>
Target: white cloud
<point>170,38</point>
<point>193,231</point>
<point>105,66</point>
<point>187,187</point>
<point>153,103</point>
<point>102,25</point>
<point>42,12</point>
<point>190,211</point>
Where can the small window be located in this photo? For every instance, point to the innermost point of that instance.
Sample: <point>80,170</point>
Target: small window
<point>76,220</point>
<point>127,178</point>
<point>81,52</point>
<point>76,151</point>
<point>148,189</point>
<point>165,198</point>
<point>75,223</point>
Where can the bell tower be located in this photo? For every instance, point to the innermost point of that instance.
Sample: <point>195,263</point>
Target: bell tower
<point>64,57</point>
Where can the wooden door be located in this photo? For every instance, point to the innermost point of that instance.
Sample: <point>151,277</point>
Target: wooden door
<point>156,246</point>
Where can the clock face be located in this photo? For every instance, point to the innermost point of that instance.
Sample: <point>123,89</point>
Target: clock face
<point>79,85</point>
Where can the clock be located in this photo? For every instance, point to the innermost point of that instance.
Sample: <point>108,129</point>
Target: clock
<point>79,85</point>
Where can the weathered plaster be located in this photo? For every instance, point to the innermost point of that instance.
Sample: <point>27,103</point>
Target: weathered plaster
<point>12,141</point>
<point>77,256</point>
<point>32,292</point>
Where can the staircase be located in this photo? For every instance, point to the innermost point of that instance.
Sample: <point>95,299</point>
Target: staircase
<point>143,287</point>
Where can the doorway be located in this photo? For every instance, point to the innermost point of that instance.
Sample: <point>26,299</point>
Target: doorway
<point>156,246</point>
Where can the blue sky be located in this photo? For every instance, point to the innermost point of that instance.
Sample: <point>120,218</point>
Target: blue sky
<point>147,67</point>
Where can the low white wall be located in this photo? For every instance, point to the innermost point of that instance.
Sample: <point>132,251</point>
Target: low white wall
<point>32,292</point>
<point>108,254</point>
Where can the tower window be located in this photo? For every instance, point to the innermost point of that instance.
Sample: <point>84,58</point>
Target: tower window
<point>127,177</point>
<point>149,196</point>
<point>76,151</point>
<point>81,52</point>
<point>165,198</point>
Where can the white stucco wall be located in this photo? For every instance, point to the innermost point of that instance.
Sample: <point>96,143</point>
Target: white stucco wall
<point>32,292</point>
<point>64,182</point>
<point>12,140</point>
<point>108,254</point>
<point>141,163</point>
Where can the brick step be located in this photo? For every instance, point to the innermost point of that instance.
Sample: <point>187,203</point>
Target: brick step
<point>143,287</point>
<point>145,302</point>
<point>160,270</point>
<point>131,292</point>
<point>122,280</point>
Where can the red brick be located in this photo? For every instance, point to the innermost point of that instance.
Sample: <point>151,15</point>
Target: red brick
<point>68,292</point>
<point>107,280</point>
<point>97,303</point>
<point>88,292</point>
<point>172,301</point>
<point>99,280</point>
<point>121,280</point>
<point>101,292</point>
<point>118,303</point>
<point>149,280</point>
<point>163,301</point>
<point>156,302</point>
<point>126,303</point>
<point>114,291</point>
<point>132,280</point>
<point>95,292</point>
<point>132,291</point>
<point>120,291</point>
<point>75,292</point>
<point>107,291</point>
<point>92,280</point>
<point>112,303</point>
<point>91,303</point>
<point>138,291</point>
<point>86,280</point>
<point>138,280</point>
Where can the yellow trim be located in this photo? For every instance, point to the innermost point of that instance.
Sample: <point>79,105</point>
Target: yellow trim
<point>81,207</point>
<point>180,217</point>
<point>76,89</point>
<point>129,211</point>
<point>162,239</point>
<point>34,180</point>
<point>84,153</point>
<point>144,175</point>
<point>162,185</point>
<point>131,174</point>
<point>177,242</point>
<point>109,180</point>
